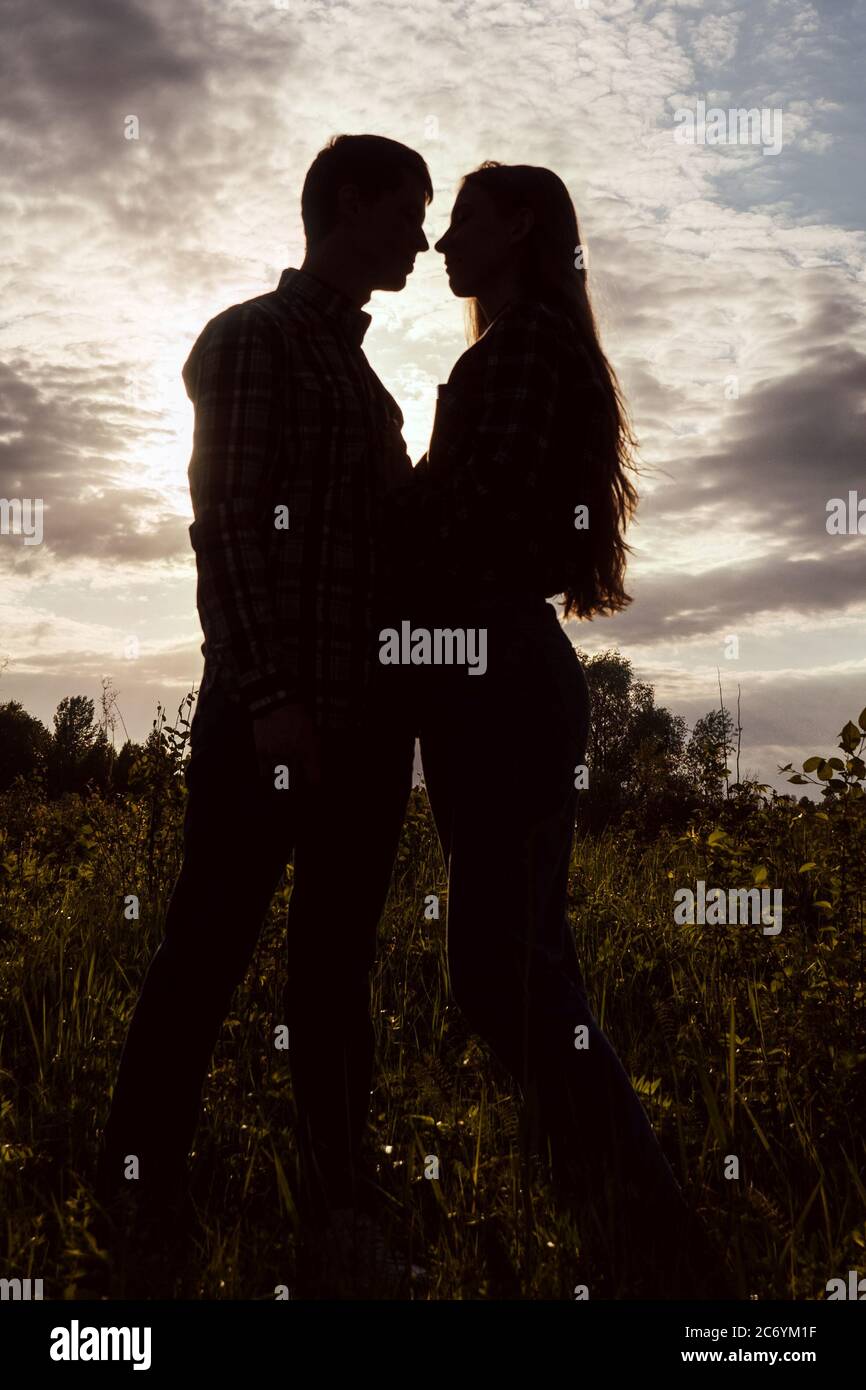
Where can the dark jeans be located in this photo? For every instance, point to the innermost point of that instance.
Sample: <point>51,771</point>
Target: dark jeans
<point>499,752</point>
<point>239,834</point>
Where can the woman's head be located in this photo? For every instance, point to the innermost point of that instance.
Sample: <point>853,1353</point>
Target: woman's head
<point>512,225</point>
<point>514,235</point>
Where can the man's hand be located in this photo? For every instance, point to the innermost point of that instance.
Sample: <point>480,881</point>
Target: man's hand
<point>287,736</point>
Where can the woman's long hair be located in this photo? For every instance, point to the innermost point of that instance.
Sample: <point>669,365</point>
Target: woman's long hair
<point>553,271</point>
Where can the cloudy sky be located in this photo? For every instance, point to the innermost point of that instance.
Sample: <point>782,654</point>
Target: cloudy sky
<point>728,278</point>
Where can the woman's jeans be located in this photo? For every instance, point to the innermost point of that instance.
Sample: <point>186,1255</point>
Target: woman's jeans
<point>500,753</point>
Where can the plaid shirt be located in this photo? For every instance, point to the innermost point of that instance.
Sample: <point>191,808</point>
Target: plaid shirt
<point>491,505</point>
<point>289,415</point>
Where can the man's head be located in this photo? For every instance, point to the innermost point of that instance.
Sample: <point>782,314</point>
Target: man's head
<point>364,198</point>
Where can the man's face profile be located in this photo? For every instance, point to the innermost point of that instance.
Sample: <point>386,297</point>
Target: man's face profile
<point>389,234</point>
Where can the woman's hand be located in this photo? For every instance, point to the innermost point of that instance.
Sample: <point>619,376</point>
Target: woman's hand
<point>397,463</point>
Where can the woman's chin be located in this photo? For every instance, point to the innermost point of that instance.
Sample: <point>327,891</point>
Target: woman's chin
<point>458,287</point>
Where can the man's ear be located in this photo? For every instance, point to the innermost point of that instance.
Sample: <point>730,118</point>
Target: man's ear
<point>522,224</point>
<point>348,201</point>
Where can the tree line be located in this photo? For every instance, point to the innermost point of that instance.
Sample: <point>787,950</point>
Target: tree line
<point>645,766</point>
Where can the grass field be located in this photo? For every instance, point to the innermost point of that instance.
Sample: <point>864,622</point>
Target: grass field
<point>739,1044</point>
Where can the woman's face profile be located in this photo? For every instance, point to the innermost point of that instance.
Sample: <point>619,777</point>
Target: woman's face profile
<point>478,245</point>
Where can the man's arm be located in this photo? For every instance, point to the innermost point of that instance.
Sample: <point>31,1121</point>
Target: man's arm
<point>235,378</point>
<point>236,382</point>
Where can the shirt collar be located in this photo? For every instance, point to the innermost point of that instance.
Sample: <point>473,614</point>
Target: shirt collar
<point>335,305</point>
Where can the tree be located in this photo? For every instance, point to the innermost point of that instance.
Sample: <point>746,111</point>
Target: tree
<point>24,744</point>
<point>635,751</point>
<point>708,751</point>
<point>123,764</point>
<point>80,752</point>
<point>609,677</point>
<point>658,742</point>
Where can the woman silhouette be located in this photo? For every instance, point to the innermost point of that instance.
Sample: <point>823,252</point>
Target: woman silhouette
<point>522,496</point>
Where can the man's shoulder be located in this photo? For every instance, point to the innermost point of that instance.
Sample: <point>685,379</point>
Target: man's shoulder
<point>267,313</point>
<point>265,318</point>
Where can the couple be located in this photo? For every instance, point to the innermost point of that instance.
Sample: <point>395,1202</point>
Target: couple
<point>313,534</point>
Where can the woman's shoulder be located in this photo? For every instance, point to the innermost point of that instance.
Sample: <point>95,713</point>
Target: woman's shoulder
<point>539,320</point>
<point>532,327</point>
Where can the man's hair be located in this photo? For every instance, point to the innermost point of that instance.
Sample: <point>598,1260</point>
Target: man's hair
<point>373,163</point>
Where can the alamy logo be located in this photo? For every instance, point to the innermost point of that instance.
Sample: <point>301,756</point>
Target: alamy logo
<point>846,519</point>
<point>856,1288</point>
<point>718,908</point>
<point>20,1290</point>
<point>439,646</point>
<point>22,516</point>
<point>738,126</point>
<point>101,1344</point>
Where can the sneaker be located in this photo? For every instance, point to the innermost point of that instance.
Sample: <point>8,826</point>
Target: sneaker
<point>353,1258</point>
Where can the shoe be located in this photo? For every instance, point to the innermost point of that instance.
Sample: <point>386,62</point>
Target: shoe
<point>353,1258</point>
<point>656,1250</point>
<point>690,1267</point>
<point>169,1214</point>
<point>142,1242</point>
<point>710,1276</point>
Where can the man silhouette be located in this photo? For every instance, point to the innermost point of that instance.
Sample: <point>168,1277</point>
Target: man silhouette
<point>294,752</point>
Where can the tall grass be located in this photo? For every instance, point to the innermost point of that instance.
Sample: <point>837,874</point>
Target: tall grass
<point>738,1043</point>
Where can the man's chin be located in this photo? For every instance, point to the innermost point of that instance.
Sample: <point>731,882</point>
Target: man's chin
<point>394,282</point>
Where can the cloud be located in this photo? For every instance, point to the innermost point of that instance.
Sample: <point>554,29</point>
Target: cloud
<point>708,264</point>
<point>63,444</point>
<point>714,38</point>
